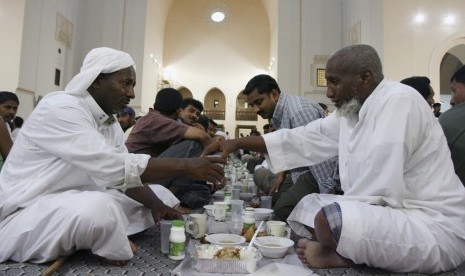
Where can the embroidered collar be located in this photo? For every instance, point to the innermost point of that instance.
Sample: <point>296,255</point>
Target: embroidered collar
<point>99,115</point>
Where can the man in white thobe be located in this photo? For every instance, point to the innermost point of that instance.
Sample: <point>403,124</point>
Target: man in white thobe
<point>403,206</point>
<point>69,182</point>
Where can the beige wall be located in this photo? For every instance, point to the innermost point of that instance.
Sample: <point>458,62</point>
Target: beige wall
<point>204,56</point>
<point>153,51</point>
<point>201,55</point>
<point>413,49</point>
<point>11,25</point>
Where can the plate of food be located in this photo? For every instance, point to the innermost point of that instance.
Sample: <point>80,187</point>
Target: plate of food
<point>225,259</point>
<point>225,239</point>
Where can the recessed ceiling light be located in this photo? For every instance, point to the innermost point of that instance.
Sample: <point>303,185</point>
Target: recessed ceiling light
<point>218,16</point>
<point>419,18</point>
<point>449,20</point>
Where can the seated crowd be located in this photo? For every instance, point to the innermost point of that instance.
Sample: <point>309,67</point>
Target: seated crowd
<point>379,181</point>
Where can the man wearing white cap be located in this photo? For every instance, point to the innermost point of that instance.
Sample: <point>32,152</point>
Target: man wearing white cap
<point>70,183</point>
<point>220,136</point>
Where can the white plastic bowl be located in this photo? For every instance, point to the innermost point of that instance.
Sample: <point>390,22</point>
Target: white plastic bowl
<point>246,196</point>
<point>209,209</point>
<point>225,239</point>
<point>273,247</point>
<point>263,214</point>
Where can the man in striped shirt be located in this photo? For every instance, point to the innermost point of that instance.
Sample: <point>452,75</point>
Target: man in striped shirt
<point>290,111</point>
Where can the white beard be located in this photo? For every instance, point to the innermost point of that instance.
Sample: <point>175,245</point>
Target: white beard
<point>349,109</point>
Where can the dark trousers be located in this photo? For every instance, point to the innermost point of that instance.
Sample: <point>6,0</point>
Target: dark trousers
<point>305,185</point>
<point>191,193</point>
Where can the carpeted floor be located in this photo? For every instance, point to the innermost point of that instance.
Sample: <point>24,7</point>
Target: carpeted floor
<point>150,261</point>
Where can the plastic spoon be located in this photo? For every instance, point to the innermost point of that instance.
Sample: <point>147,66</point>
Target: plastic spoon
<point>254,236</point>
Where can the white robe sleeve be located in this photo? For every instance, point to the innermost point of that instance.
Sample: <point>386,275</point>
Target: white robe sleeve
<point>303,146</point>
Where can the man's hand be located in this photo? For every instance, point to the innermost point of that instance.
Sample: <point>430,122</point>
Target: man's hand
<point>219,185</point>
<point>277,182</point>
<point>149,199</point>
<point>225,147</point>
<point>206,168</point>
<point>165,212</point>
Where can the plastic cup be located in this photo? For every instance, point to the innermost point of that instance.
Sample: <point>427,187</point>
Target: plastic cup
<point>236,193</point>
<point>266,202</point>
<point>165,229</point>
<point>237,206</point>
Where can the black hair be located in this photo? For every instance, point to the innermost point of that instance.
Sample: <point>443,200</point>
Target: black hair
<point>262,83</point>
<point>421,84</point>
<point>204,121</point>
<point>18,122</point>
<point>8,96</point>
<point>167,101</point>
<point>255,132</point>
<point>190,101</point>
<point>436,104</point>
<point>213,122</point>
<point>459,75</point>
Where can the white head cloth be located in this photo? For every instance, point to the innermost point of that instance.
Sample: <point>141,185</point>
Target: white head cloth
<point>98,60</point>
<point>221,133</point>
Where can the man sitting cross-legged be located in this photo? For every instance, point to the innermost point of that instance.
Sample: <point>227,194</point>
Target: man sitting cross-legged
<point>69,182</point>
<point>403,206</point>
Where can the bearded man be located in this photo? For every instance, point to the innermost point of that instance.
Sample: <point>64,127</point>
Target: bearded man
<point>403,206</point>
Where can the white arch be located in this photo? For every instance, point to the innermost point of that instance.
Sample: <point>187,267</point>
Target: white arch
<point>436,57</point>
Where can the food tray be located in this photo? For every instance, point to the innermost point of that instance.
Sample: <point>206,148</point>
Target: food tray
<point>203,262</point>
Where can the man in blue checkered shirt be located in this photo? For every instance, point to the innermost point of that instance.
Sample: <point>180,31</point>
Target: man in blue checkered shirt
<point>290,111</point>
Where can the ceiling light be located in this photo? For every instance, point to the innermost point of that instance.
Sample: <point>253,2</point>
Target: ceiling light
<point>449,20</point>
<point>419,18</point>
<point>218,16</point>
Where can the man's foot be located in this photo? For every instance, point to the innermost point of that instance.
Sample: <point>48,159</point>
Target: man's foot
<point>133,247</point>
<point>314,255</point>
<point>119,263</point>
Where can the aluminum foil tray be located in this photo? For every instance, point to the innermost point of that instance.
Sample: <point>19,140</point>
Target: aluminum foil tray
<point>204,262</point>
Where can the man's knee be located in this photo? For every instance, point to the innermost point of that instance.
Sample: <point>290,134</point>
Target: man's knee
<point>261,178</point>
<point>282,212</point>
<point>196,196</point>
<point>183,149</point>
<point>100,210</point>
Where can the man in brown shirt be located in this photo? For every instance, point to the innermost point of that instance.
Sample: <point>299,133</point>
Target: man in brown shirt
<point>160,134</point>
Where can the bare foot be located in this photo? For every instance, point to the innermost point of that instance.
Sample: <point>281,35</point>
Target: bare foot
<point>133,246</point>
<point>120,263</point>
<point>314,255</point>
<point>300,250</point>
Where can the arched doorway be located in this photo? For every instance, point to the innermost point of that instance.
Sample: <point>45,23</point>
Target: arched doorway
<point>449,64</point>
<point>215,104</point>
<point>244,112</point>
<point>185,92</point>
<point>445,59</point>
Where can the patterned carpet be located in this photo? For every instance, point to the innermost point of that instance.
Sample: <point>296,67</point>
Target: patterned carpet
<point>150,261</point>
